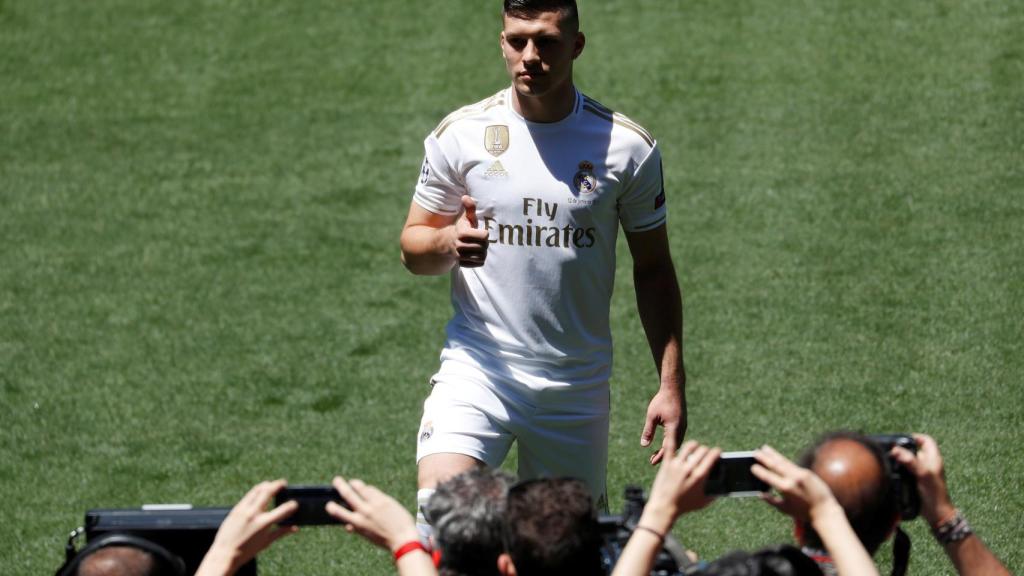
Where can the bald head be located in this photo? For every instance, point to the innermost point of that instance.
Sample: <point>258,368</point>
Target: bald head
<point>118,561</point>
<point>851,470</point>
<point>854,468</point>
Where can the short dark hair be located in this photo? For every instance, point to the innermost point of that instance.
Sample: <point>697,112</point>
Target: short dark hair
<point>552,529</point>
<point>467,514</point>
<point>871,507</point>
<point>531,8</point>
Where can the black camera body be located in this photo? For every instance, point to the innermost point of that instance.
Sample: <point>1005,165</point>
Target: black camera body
<point>177,535</point>
<point>617,528</point>
<point>901,481</point>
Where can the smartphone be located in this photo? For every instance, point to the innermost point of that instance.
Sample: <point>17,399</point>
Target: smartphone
<point>312,501</point>
<point>731,476</point>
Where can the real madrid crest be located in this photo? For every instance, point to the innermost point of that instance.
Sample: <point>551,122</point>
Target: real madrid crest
<point>496,139</point>
<point>584,181</point>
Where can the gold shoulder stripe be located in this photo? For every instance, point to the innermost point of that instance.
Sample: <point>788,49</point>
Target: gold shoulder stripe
<point>603,111</point>
<point>623,121</point>
<point>617,119</point>
<point>451,119</point>
<point>468,111</point>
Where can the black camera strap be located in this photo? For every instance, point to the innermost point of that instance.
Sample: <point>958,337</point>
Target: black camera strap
<point>900,552</point>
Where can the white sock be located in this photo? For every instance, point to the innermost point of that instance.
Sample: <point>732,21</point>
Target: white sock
<point>422,526</point>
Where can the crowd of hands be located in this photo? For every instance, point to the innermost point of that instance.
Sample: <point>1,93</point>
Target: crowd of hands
<point>678,488</point>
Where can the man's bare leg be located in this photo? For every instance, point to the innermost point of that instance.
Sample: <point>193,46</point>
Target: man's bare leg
<point>434,469</point>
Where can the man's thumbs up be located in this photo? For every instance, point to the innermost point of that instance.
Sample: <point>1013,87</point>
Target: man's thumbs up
<point>469,210</point>
<point>470,242</point>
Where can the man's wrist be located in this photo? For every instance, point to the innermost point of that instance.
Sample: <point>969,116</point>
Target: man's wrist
<point>410,547</point>
<point>403,538</point>
<point>449,239</point>
<point>952,530</point>
<point>672,384</point>
<point>658,518</point>
<point>217,562</point>
<point>825,511</point>
<point>940,513</point>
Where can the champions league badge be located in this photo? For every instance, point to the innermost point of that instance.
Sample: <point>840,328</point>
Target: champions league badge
<point>584,181</point>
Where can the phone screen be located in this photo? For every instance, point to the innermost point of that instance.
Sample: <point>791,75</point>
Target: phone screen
<point>312,501</point>
<point>731,476</point>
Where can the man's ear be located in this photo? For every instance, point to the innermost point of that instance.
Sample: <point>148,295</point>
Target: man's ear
<point>505,565</point>
<point>577,49</point>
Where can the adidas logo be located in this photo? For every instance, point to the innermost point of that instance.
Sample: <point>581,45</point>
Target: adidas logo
<point>496,171</point>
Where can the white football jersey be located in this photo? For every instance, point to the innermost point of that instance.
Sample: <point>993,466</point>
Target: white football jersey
<point>552,197</point>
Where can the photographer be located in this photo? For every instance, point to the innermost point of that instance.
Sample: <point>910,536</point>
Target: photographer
<point>859,471</point>
<point>968,553</point>
<point>679,488</point>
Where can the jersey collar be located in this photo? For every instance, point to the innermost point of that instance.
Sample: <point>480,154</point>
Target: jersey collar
<point>571,118</point>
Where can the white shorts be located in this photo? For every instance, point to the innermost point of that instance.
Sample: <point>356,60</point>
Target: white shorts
<point>561,431</point>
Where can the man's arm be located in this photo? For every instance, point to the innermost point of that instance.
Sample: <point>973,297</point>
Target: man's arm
<point>969,554</point>
<point>660,306</point>
<point>433,243</point>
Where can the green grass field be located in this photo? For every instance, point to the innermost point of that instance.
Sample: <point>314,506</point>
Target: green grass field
<point>199,278</point>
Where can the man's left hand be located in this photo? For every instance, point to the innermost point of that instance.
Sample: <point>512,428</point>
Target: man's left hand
<point>667,409</point>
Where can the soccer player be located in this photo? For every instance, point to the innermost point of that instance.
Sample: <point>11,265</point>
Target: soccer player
<point>520,198</point>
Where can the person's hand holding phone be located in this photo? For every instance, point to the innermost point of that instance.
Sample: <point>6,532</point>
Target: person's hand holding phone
<point>248,530</point>
<point>373,514</point>
<point>801,493</point>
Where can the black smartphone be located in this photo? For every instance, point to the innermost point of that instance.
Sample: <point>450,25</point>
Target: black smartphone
<point>312,501</point>
<point>731,476</point>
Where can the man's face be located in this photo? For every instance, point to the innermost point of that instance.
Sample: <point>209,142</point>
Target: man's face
<point>539,52</point>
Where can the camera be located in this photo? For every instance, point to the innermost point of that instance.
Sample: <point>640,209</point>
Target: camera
<point>901,481</point>
<point>176,536</point>
<point>616,530</point>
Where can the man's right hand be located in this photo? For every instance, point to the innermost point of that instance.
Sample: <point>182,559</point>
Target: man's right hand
<point>469,243</point>
<point>927,467</point>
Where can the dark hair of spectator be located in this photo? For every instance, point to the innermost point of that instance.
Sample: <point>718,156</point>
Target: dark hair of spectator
<point>871,507</point>
<point>552,529</point>
<point>527,9</point>
<point>467,513</point>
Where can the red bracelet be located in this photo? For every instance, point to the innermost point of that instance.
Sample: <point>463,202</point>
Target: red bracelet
<point>409,547</point>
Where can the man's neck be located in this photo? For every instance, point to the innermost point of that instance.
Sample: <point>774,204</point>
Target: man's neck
<point>550,107</point>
